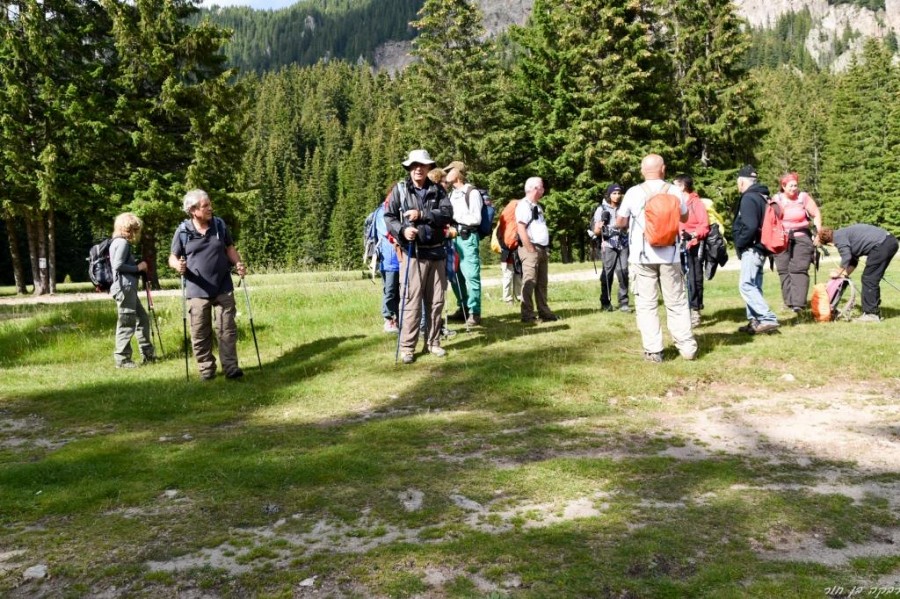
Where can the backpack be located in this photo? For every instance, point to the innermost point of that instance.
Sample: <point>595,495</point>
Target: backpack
<point>487,212</point>
<point>507,233</point>
<point>826,299</point>
<point>370,238</point>
<point>99,265</point>
<point>662,217</point>
<point>772,235</point>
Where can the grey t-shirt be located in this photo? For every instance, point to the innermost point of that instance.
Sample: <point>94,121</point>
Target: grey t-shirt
<point>857,240</point>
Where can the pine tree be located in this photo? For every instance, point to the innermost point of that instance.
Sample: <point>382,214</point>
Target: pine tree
<point>860,178</point>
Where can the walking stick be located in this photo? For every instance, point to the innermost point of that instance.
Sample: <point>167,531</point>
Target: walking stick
<point>403,301</point>
<point>154,320</point>
<point>250,312</point>
<point>184,323</point>
<point>891,284</point>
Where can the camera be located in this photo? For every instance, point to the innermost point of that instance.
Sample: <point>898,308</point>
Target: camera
<point>606,217</point>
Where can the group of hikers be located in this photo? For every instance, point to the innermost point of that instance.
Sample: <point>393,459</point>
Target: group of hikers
<point>656,236</point>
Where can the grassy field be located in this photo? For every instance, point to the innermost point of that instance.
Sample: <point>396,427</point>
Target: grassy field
<point>533,461</point>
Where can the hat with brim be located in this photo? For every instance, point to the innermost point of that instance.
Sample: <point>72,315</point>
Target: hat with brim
<point>418,157</point>
<point>456,164</point>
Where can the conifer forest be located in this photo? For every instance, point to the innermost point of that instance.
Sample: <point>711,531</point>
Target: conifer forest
<point>109,106</point>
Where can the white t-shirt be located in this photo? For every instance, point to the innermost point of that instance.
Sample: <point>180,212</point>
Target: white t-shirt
<point>632,207</point>
<point>536,227</point>
<point>470,215</point>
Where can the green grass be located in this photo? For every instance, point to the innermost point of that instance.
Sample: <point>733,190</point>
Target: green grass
<point>296,471</point>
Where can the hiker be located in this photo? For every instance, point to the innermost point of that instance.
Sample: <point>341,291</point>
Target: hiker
<point>133,318</point>
<point>654,263</point>
<point>798,209</point>
<point>747,233</point>
<point>389,266</point>
<point>534,252</point>
<point>693,234</point>
<point>416,214</point>
<point>510,265</point>
<point>878,246</point>
<point>203,253</point>
<point>466,201</point>
<point>613,249</point>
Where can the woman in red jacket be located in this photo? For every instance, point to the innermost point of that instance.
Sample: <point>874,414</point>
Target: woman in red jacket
<point>693,232</point>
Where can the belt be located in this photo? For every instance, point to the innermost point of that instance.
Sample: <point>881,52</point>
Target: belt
<point>543,247</point>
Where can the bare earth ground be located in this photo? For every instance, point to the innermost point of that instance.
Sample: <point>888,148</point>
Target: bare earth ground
<point>839,433</point>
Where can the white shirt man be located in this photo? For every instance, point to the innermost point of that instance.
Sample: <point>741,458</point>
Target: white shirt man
<point>534,252</point>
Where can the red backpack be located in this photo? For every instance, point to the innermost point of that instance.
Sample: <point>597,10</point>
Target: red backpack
<point>662,216</point>
<point>772,234</point>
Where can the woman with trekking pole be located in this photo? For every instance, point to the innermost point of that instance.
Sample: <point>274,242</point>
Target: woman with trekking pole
<point>133,319</point>
<point>693,232</point>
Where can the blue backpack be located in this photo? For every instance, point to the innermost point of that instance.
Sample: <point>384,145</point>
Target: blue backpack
<point>487,213</point>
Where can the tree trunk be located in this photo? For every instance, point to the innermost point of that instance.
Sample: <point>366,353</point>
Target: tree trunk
<point>51,250</point>
<point>32,231</point>
<point>13,239</point>
<point>565,249</point>
<point>148,255</point>
<point>42,254</point>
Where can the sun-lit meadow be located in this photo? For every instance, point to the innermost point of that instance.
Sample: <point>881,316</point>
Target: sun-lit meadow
<point>534,461</point>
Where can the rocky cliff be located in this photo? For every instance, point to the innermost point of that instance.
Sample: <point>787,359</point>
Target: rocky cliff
<point>830,21</point>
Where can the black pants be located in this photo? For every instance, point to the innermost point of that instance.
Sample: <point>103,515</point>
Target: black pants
<point>615,264</point>
<point>877,263</point>
<point>693,277</point>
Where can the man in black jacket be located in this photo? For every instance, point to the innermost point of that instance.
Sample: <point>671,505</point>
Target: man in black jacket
<point>746,233</point>
<point>416,214</point>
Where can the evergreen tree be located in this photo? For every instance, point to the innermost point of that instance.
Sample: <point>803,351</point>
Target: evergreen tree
<point>860,179</point>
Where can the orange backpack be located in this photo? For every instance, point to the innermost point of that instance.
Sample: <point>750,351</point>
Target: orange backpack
<point>772,234</point>
<point>662,215</point>
<point>507,232</point>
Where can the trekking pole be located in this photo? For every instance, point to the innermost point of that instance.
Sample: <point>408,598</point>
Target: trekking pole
<point>891,284</point>
<point>184,324</point>
<point>250,312</point>
<point>153,318</point>
<point>403,301</point>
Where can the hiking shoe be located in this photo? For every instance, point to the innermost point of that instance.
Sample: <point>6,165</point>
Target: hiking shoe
<point>624,308</point>
<point>655,357</point>
<point>234,374</point>
<point>457,316</point>
<point>695,318</point>
<point>550,318</point>
<point>126,364</point>
<point>763,328</point>
<point>437,351</point>
<point>689,355</point>
<point>207,376</point>
<point>447,333</point>
<point>407,358</point>
<point>390,326</point>
<point>868,318</point>
<point>749,328</point>
<point>606,307</point>
<point>474,320</point>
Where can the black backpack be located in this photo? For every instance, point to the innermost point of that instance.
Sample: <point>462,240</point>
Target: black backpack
<point>487,213</point>
<point>99,266</point>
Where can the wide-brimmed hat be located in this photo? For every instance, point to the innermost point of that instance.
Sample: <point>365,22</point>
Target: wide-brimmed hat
<point>418,157</point>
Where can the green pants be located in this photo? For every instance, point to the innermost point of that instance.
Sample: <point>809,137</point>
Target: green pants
<point>133,320</point>
<point>468,291</point>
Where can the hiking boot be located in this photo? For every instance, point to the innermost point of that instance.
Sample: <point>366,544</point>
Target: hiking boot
<point>474,320</point>
<point>207,376</point>
<point>437,351</point>
<point>749,328</point>
<point>550,318</point>
<point>695,318</point>
<point>763,328</point>
<point>457,316</point>
<point>126,364</point>
<point>624,308</point>
<point>868,318</point>
<point>655,357</point>
<point>234,374</point>
<point>407,358</point>
<point>390,326</point>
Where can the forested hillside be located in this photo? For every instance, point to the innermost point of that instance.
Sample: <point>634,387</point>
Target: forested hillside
<point>311,30</point>
<point>295,158</point>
